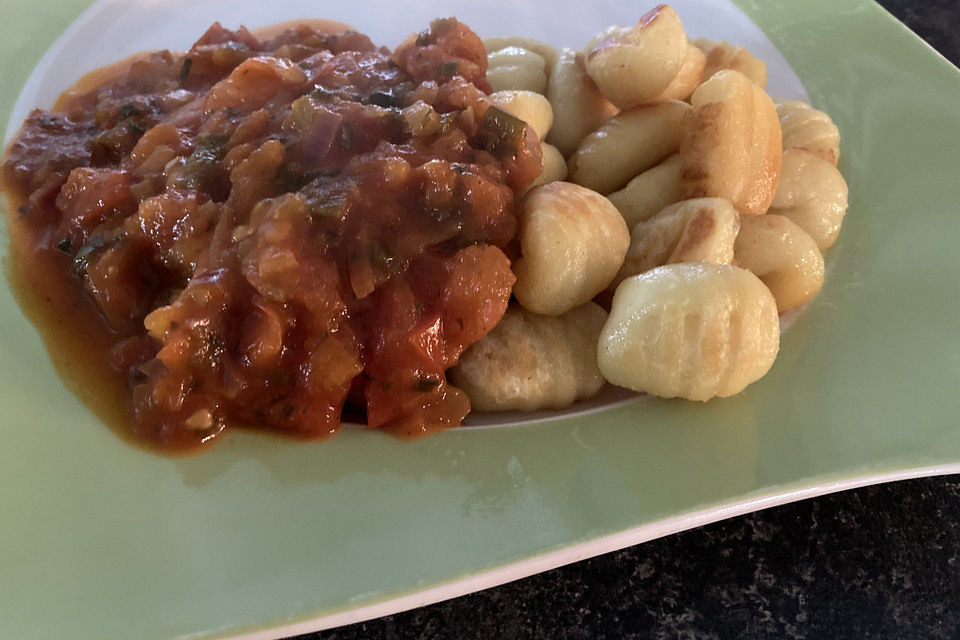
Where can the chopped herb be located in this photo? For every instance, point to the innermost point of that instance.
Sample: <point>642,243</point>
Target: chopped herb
<point>501,132</point>
<point>82,259</point>
<point>322,94</point>
<point>65,245</point>
<point>345,136</point>
<point>24,209</point>
<point>135,129</point>
<point>198,169</point>
<point>47,122</point>
<point>423,38</point>
<point>382,256</point>
<point>420,306</point>
<point>185,69</point>
<point>330,205</point>
<point>392,97</point>
<point>127,110</point>
<point>450,68</point>
<point>426,384</point>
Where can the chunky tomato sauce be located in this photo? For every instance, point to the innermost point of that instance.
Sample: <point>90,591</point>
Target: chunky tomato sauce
<point>262,231</point>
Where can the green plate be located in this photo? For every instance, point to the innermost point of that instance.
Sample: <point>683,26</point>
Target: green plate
<point>265,536</point>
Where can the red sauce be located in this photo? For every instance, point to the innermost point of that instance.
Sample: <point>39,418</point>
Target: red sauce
<point>260,231</point>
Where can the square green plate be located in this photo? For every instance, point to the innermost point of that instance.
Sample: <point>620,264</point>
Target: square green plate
<point>264,536</point>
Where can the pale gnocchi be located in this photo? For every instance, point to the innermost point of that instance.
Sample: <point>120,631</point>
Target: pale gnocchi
<point>633,66</point>
<point>554,166</point>
<point>694,331</point>
<point>782,255</point>
<point>578,106</point>
<point>649,192</point>
<point>516,68</point>
<point>628,144</point>
<point>531,361</point>
<point>812,194</point>
<point>546,51</point>
<point>572,242</point>
<point>723,55</point>
<point>807,128</point>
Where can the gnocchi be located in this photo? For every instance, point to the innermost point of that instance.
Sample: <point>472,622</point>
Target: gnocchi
<point>693,330</point>
<point>578,106</point>
<point>687,79</point>
<point>516,68</point>
<point>731,144</point>
<point>531,361</point>
<point>807,128</point>
<point>633,66</point>
<point>812,194</point>
<point>700,230</point>
<point>530,107</point>
<point>722,55</point>
<point>554,166</point>
<point>782,255</point>
<point>628,144</point>
<point>572,242</point>
<point>649,192</point>
<point>542,49</point>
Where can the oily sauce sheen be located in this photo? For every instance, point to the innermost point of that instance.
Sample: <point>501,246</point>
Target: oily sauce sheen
<point>260,231</point>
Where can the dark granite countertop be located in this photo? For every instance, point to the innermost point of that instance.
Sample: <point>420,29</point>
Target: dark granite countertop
<point>879,562</point>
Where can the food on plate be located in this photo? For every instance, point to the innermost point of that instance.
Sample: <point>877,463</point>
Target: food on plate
<point>782,255</point>
<point>698,230</point>
<point>293,227</point>
<point>723,55</point>
<point>693,330</point>
<point>554,166</point>
<point>518,69</point>
<point>731,144</point>
<point>530,107</point>
<point>627,144</point>
<point>532,361</point>
<point>689,77</point>
<point>810,129</point>
<point>812,194</point>
<point>650,191</point>
<point>546,51</point>
<point>572,242</point>
<point>633,66</point>
<point>578,106</point>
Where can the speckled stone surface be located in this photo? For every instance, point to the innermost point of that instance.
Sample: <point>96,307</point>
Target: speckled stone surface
<point>879,562</point>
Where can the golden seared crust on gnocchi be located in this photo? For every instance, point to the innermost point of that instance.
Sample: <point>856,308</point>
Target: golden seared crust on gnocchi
<point>692,330</point>
<point>554,166</point>
<point>722,55</point>
<point>532,108</point>
<point>572,243</point>
<point>782,255</point>
<point>731,143</point>
<point>649,192</point>
<point>628,144</point>
<point>531,361</point>
<point>812,194</point>
<point>806,128</point>
<point>699,230</point>
<point>687,79</point>
<point>578,106</point>
<point>516,68</point>
<point>546,51</point>
<point>631,67</point>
